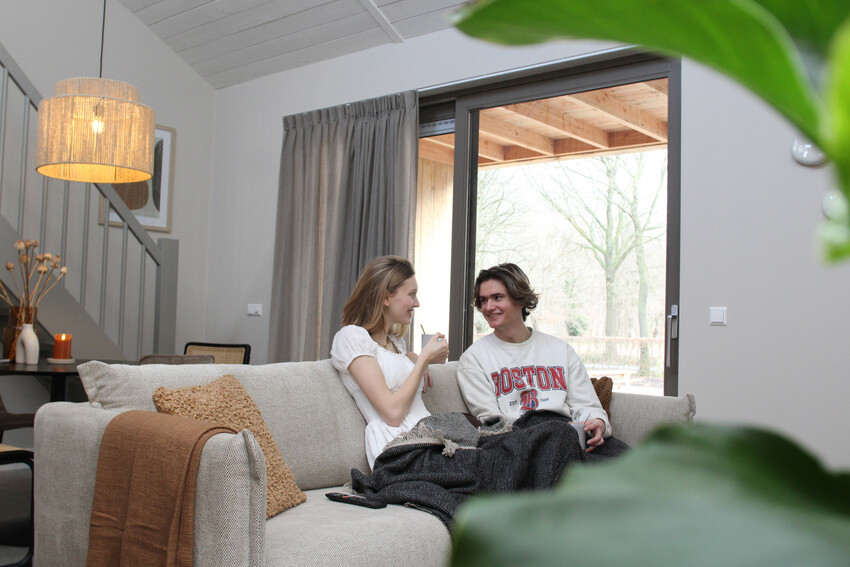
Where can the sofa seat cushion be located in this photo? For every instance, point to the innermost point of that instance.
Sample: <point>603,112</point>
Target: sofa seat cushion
<point>309,412</point>
<point>323,532</point>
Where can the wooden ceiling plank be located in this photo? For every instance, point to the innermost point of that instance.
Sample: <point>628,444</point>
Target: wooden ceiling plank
<point>429,149</point>
<point>516,135</point>
<point>578,129</point>
<point>660,85</point>
<point>631,138</point>
<point>447,140</point>
<point>568,146</point>
<point>628,115</point>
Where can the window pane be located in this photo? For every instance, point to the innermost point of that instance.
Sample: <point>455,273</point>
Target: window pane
<point>574,190</point>
<point>433,236</point>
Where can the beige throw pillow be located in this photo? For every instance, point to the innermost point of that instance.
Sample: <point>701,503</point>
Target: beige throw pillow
<point>225,401</point>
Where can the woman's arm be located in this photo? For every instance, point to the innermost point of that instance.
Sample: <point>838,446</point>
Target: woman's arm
<point>393,407</point>
<point>427,376</point>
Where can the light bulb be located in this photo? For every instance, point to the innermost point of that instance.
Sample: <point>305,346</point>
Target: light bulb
<point>97,126</point>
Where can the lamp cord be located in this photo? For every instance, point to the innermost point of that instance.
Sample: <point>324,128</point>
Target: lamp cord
<point>102,35</point>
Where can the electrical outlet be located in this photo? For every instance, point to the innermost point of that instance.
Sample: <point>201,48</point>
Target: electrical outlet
<point>255,309</point>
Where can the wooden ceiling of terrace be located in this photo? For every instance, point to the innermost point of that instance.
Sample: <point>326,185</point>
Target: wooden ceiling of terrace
<point>605,121</point>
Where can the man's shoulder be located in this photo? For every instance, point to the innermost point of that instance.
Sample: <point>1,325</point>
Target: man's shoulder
<point>476,350</point>
<point>542,337</point>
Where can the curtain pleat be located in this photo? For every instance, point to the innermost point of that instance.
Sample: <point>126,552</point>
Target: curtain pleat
<point>347,194</point>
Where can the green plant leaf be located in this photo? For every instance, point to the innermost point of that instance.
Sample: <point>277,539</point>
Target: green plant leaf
<point>738,37</point>
<point>696,496</point>
<point>835,232</point>
<point>812,27</point>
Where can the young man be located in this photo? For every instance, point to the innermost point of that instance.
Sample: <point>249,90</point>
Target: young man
<point>516,369</point>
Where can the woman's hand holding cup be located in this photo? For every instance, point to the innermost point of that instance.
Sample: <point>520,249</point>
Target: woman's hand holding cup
<point>436,349</point>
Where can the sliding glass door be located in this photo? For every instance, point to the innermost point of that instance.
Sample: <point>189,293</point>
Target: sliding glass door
<point>575,179</point>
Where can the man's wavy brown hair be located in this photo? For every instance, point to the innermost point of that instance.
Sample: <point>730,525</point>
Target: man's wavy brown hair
<point>514,280</point>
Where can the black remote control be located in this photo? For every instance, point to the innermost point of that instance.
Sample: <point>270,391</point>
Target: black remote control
<point>355,499</point>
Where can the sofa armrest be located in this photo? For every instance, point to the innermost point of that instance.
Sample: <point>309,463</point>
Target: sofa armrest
<point>230,506</point>
<point>230,502</point>
<point>67,441</point>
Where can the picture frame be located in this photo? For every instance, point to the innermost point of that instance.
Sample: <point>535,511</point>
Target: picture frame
<point>150,201</point>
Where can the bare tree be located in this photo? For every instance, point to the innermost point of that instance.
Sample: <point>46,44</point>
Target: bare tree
<point>609,219</point>
<point>499,214</point>
<point>645,228</point>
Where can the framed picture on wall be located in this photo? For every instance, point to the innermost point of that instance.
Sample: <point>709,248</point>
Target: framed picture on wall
<point>150,200</point>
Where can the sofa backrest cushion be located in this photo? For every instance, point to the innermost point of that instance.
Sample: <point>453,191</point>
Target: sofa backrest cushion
<point>634,416</point>
<point>444,396</point>
<point>312,417</point>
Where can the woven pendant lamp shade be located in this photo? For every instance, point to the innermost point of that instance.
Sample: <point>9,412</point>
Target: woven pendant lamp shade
<point>95,130</point>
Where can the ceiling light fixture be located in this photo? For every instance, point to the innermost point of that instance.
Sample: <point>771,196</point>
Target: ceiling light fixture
<point>95,130</point>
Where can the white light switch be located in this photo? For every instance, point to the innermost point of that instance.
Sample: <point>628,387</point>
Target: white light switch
<point>717,316</point>
<point>255,309</point>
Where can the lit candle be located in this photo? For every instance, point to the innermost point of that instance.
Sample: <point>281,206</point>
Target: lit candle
<point>62,346</point>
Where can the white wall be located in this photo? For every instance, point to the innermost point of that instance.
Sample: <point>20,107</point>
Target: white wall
<point>56,39</point>
<point>748,219</point>
<point>749,214</point>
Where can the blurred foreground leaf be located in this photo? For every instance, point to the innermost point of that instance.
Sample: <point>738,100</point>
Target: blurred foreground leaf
<point>690,495</point>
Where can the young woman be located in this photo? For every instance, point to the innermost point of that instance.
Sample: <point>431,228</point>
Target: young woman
<point>384,379</point>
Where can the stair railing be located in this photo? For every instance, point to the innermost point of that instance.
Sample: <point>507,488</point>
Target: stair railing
<point>136,314</point>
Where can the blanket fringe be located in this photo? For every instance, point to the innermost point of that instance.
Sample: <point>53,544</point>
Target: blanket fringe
<point>422,433</point>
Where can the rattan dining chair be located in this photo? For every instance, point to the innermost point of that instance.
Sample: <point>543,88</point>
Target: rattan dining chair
<point>223,353</point>
<point>176,359</point>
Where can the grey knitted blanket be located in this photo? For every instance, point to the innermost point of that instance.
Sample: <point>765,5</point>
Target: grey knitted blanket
<point>444,459</point>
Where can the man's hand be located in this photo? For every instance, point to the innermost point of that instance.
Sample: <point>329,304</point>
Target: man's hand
<point>597,428</point>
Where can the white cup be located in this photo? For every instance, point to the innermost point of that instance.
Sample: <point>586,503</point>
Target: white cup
<point>425,338</point>
<point>582,434</point>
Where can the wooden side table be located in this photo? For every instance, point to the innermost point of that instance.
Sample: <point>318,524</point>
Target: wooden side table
<point>10,455</point>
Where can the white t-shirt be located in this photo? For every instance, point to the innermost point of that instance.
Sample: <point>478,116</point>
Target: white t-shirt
<point>498,378</point>
<point>351,342</point>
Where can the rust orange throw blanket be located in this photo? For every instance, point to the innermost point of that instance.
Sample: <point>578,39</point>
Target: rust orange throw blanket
<point>144,499</point>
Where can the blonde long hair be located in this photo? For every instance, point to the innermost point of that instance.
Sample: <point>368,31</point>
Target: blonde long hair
<point>382,276</point>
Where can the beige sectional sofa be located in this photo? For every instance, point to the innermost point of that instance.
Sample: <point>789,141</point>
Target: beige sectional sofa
<point>319,431</point>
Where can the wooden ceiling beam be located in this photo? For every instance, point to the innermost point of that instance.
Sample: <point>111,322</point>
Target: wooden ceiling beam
<point>515,135</point>
<point>583,131</point>
<point>568,146</point>
<point>628,115</point>
<point>490,149</point>
<point>631,138</point>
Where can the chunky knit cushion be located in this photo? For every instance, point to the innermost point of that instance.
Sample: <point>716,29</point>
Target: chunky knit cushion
<point>603,386</point>
<point>225,401</point>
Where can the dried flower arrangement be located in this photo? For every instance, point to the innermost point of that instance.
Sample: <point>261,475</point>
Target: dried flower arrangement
<point>49,270</point>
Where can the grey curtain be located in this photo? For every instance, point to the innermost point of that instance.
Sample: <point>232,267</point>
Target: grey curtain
<point>346,195</point>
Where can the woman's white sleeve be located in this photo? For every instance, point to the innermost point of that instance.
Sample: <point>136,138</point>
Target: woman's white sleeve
<point>349,343</point>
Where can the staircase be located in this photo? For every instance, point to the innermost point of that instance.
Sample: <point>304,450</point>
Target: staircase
<point>119,298</point>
